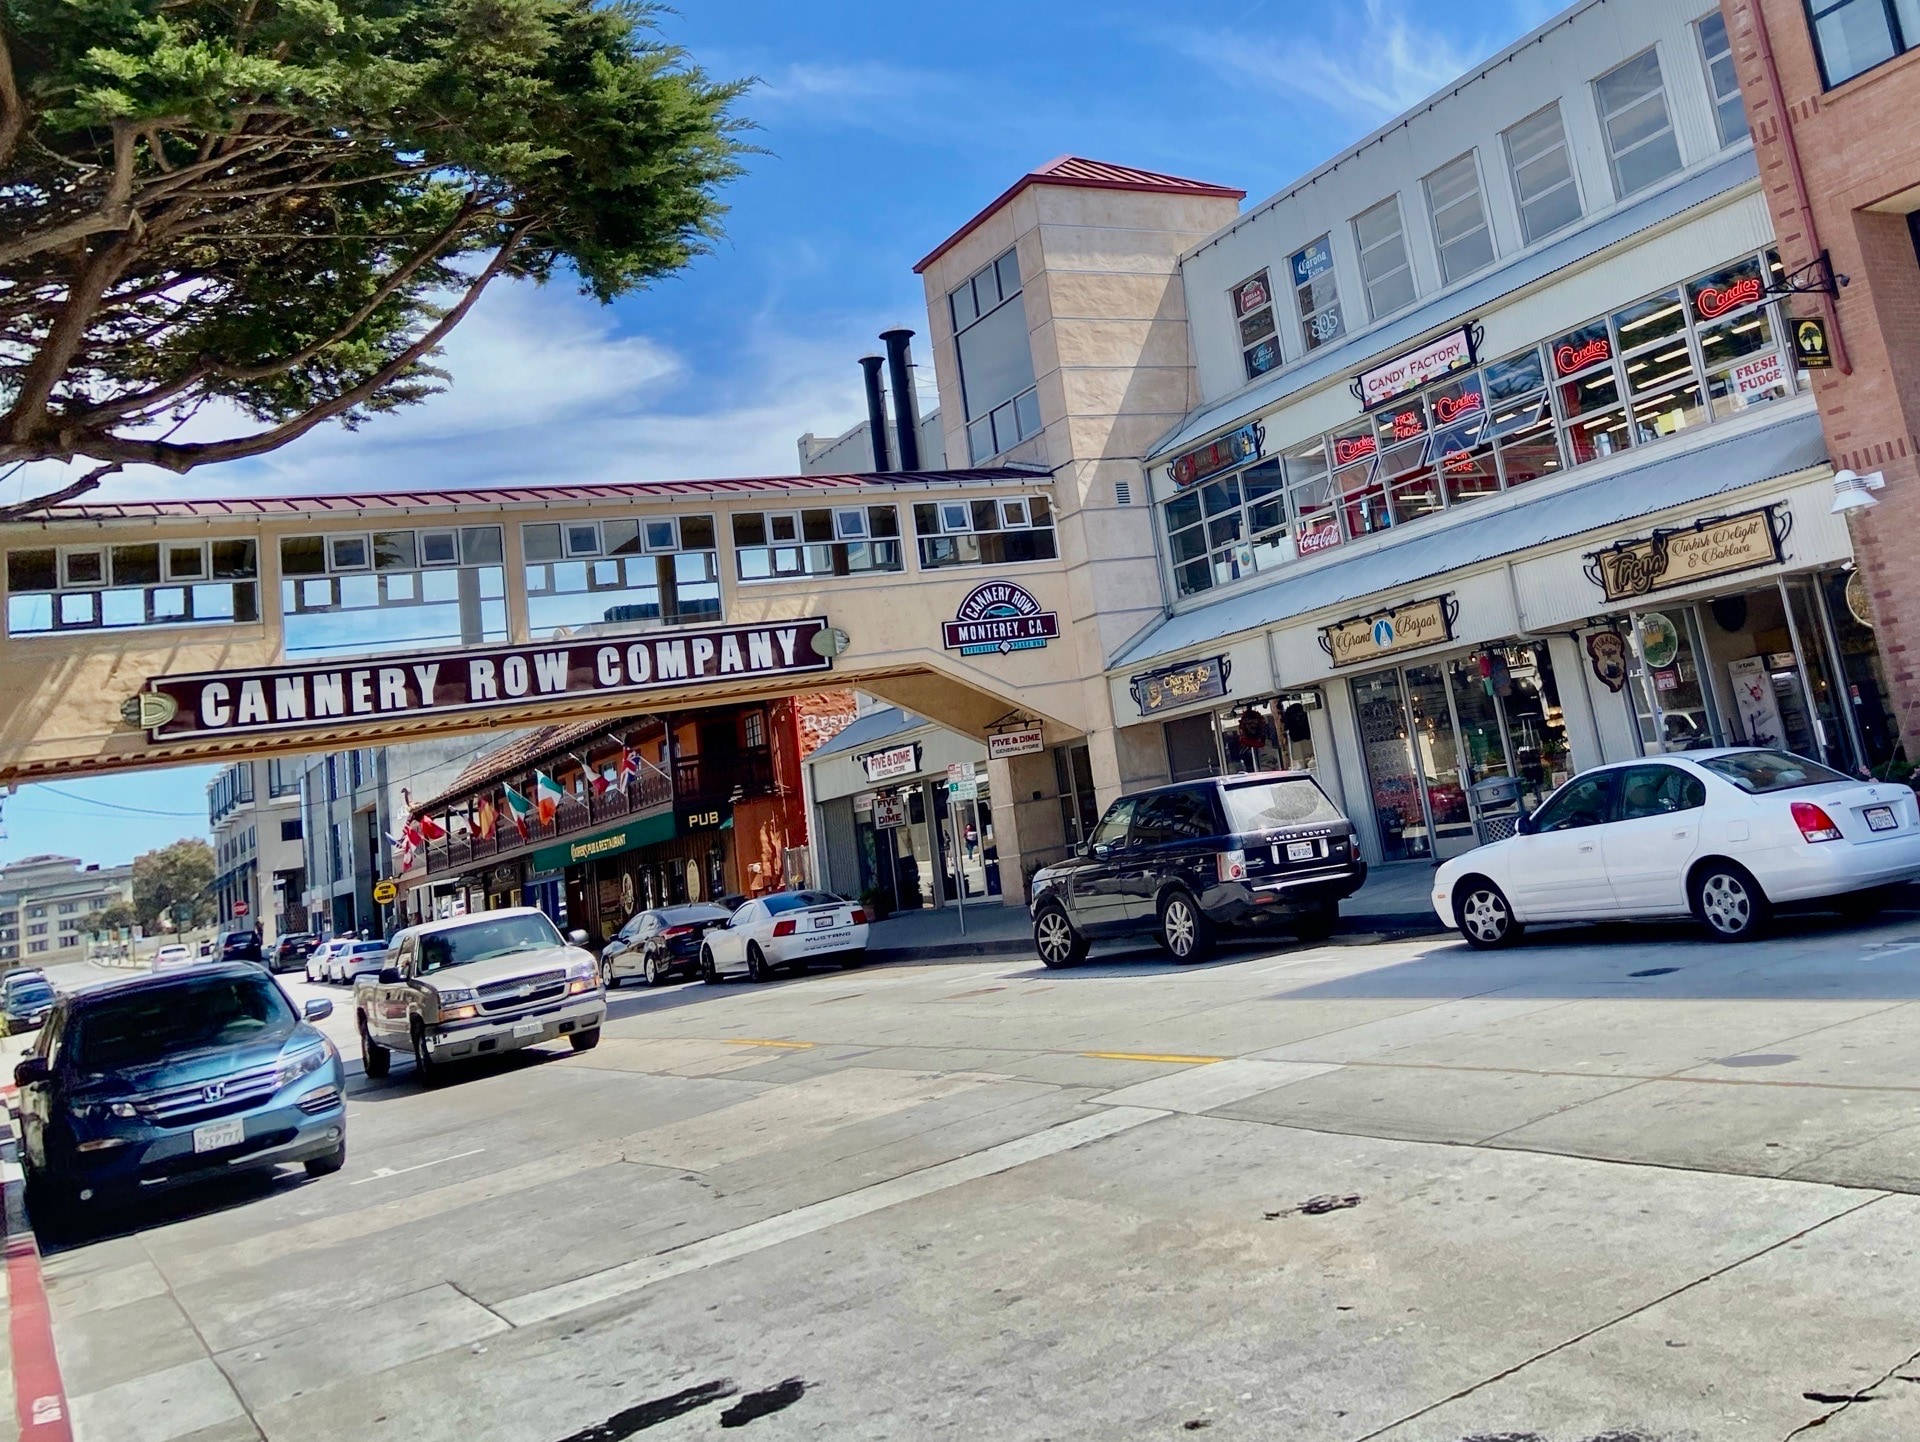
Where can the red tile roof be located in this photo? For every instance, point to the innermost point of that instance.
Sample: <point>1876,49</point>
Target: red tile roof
<point>1071,170</point>
<point>264,507</point>
<point>506,760</point>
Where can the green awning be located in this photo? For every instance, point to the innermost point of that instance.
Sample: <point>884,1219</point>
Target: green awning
<point>627,836</point>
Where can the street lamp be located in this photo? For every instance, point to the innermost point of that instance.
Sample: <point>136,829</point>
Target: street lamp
<point>1854,492</point>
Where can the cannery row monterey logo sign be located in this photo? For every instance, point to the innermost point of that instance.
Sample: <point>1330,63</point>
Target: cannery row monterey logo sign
<point>317,695</point>
<point>1404,628</point>
<point>1182,685</point>
<point>1717,546</point>
<point>999,616</point>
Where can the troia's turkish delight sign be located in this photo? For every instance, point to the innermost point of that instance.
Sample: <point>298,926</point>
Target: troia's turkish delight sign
<point>320,695</point>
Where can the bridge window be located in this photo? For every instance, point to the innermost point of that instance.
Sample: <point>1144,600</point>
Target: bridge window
<point>621,574</point>
<point>366,591</point>
<point>170,583</point>
<point>984,533</point>
<point>848,541</point>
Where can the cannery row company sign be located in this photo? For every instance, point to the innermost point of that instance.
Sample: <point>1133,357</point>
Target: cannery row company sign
<point>1182,685</point>
<point>1716,546</point>
<point>999,616</point>
<point>317,695</point>
<point>1404,628</point>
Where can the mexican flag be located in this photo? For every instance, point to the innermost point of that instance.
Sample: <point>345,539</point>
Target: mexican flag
<point>521,810</point>
<point>548,796</point>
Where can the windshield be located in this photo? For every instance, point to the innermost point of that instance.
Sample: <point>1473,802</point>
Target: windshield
<point>29,992</point>
<point>156,1022</point>
<point>1758,772</point>
<point>485,939</point>
<point>1270,805</point>
<point>797,900</point>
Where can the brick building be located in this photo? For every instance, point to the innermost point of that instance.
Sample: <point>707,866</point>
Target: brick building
<point>1831,88</point>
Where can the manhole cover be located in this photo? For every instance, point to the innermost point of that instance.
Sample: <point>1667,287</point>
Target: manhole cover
<point>1759,1058</point>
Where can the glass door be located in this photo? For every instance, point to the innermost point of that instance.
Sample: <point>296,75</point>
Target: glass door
<point>1437,753</point>
<point>1399,813</point>
<point>1672,704</point>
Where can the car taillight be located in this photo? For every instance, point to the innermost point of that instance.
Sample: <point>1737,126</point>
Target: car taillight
<point>1232,865</point>
<point>859,917</point>
<point>1814,823</point>
<point>784,928</point>
<point>678,931</point>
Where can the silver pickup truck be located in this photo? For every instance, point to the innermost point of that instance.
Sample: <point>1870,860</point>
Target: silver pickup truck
<point>475,986</point>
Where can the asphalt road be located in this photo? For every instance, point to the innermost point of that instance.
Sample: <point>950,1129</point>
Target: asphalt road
<point>1630,1184</point>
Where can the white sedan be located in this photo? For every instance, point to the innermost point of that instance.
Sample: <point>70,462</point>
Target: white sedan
<point>317,960</point>
<point>173,954</point>
<point>788,928</point>
<point>350,960</point>
<point>1724,836</point>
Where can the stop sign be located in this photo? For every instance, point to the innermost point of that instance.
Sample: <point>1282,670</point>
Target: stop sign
<point>239,908</point>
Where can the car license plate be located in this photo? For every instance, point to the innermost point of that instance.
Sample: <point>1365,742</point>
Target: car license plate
<point>821,923</point>
<point>1881,818</point>
<point>215,1135</point>
<point>1300,850</point>
<point>528,1028</point>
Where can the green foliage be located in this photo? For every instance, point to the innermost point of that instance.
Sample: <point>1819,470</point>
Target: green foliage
<point>109,919</point>
<point>285,205</point>
<point>176,882</point>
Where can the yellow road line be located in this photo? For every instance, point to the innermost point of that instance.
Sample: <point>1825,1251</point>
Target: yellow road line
<point>761,1041</point>
<point>1152,1056</point>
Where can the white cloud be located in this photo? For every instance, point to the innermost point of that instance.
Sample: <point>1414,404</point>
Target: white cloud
<point>1371,61</point>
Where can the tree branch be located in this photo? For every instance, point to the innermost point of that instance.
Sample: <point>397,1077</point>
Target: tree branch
<point>181,458</point>
<point>67,492</point>
<point>114,212</point>
<point>29,410</point>
<point>13,111</point>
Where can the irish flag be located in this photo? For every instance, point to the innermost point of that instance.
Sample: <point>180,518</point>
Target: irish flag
<point>520,809</point>
<point>548,796</point>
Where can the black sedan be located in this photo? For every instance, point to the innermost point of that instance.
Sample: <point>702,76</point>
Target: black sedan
<point>291,951</point>
<point>1182,862</point>
<point>25,1000</point>
<point>659,944</point>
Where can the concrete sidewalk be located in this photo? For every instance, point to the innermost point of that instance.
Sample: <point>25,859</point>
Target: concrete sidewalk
<point>1395,899</point>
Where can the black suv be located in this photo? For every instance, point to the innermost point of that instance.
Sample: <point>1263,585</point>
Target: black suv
<point>240,944</point>
<point>1179,862</point>
<point>291,951</point>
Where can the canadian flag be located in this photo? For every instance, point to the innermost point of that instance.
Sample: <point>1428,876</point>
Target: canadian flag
<point>431,829</point>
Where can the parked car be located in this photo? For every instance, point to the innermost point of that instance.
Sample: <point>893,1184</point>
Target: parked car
<point>478,985</point>
<point>291,950</point>
<point>316,967</point>
<point>1726,835</point>
<point>173,954</point>
<point>25,999</point>
<point>660,943</point>
<point>352,959</point>
<point>150,1082</point>
<point>786,929</point>
<point>241,943</point>
<point>1182,862</point>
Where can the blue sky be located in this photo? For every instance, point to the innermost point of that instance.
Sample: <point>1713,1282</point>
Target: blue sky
<point>884,128</point>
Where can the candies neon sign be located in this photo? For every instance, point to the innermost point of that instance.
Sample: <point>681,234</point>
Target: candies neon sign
<point>1447,409</point>
<point>1715,301</point>
<point>1569,358</point>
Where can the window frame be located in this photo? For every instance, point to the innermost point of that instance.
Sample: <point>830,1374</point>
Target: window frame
<point>1308,314</point>
<point>1714,97</point>
<point>1901,44</point>
<point>1620,193</point>
<point>1362,249</point>
<point>1514,165</point>
<point>1472,158</point>
<point>1023,401</point>
<point>1262,277</point>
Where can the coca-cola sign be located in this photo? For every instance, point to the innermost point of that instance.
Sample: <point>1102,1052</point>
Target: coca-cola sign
<point>1406,373</point>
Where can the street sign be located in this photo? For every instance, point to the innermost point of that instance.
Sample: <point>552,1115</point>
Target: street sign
<point>239,908</point>
<point>384,891</point>
<point>962,790</point>
<point>959,771</point>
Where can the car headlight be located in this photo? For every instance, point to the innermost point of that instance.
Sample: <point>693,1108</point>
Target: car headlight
<point>303,1063</point>
<point>123,1110</point>
<point>452,996</point>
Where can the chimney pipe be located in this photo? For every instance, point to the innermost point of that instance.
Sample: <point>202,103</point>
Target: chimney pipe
<point>876,412</point>
<point>906,410</point>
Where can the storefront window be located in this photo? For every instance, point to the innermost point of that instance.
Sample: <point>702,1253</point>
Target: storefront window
<point>1073,777</point>
<point>1191,751</point>
<point>1395,786</point>
<point>1844,597</point>
<point>970,859</point>
<point>1672,704</point>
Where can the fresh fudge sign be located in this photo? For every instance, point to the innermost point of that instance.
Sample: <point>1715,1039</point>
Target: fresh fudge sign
<point>324,695</point>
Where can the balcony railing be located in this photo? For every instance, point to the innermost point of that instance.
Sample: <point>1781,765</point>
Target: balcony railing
<point>748,771</point>
<point>648,792</point>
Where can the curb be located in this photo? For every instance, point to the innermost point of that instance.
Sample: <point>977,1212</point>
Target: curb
<point>40,1397</point>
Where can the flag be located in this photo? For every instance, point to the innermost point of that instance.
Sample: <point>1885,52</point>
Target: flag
<point>629,765</point>
<point>484,817</point>
<point>520,809</point>
<point>548,796</point>
<point>431,829</point>
<point>409,845</point>
<point>600,783</point>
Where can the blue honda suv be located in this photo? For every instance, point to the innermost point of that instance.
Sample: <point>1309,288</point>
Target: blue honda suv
<point>148,1083</point>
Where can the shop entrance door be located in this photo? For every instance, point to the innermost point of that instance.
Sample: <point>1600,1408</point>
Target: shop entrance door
<point>1672,702</point>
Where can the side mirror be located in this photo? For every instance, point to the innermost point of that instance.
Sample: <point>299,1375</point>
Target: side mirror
<point>318,1009</point>
<point>577,937</point>
<point>389,976</point>
<point>1525,826</point>
<point>1084,849</point>
<point>33,1069</point>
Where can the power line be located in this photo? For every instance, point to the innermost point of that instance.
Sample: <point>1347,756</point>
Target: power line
<point>116,806</point>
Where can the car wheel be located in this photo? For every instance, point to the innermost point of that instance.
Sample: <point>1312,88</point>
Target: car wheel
<point>1730,902</point>
<point>375,1060</point>
<point>607,978</point>
<point>326,1166</point>
<point>653,970</point>
<point>1484,915</point>
<point>757,968</point>
<point>430,1072</point>
<point>707,973</point>
<point>1318,923</point>
<point>1054,938</point>
<point>1184,929</point>
<point>585,1040</point>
